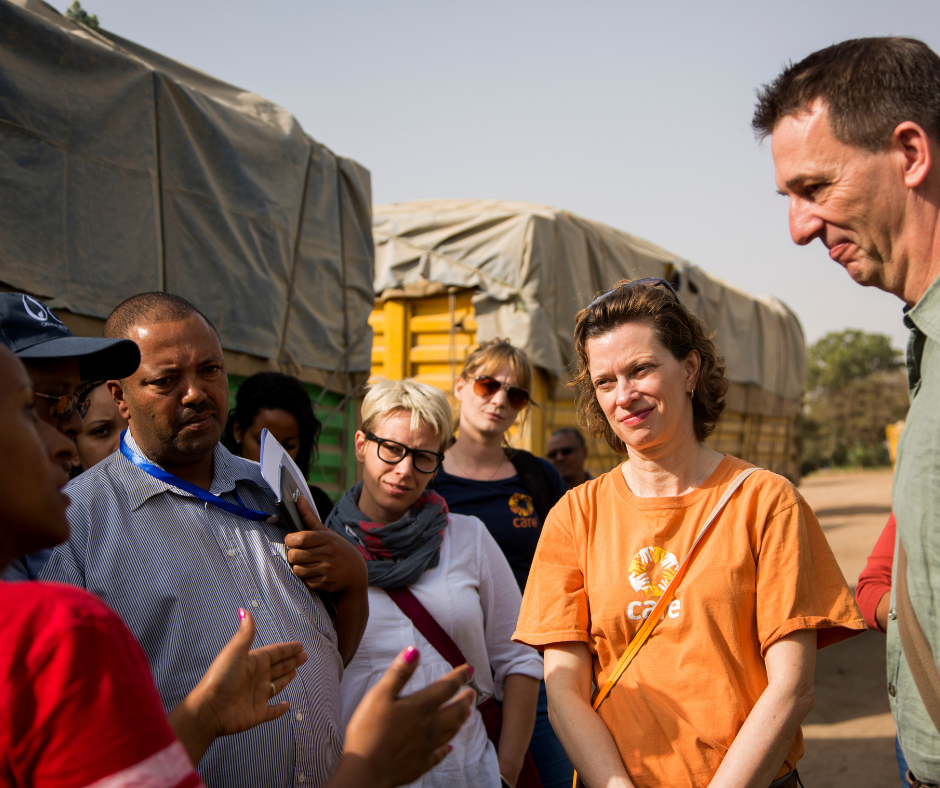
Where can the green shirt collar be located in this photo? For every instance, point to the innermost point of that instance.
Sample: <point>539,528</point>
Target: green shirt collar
<point>925,314</point>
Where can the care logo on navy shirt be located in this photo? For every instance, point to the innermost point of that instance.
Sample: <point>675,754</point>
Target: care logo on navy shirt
<point>521,505</point>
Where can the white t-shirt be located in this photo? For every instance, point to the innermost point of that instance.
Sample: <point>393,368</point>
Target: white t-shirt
<point>474,597</point>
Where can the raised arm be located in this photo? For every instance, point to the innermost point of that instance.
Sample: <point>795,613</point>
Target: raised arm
<point>583,734</point>
<point>235,692</point>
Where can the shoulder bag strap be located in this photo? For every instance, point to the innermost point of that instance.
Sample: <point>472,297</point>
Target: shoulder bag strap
<point>644,632</point>
<point>917,651</point>
<point>532,475</point>
<point>426,625</point>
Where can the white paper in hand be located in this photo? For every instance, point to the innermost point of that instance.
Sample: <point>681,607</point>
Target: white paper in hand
<point>273,459</point>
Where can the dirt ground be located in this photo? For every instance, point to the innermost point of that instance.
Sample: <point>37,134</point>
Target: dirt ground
<point>850,734</point>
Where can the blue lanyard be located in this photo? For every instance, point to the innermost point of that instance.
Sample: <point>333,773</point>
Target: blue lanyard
<point>203,495</point>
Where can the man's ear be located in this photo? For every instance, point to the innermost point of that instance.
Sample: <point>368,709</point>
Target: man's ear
<point>912,142</point>
<point>237,432</point>
<point>116,390</point>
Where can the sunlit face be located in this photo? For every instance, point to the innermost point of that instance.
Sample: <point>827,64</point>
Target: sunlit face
<point>177,400</point>
<point>388,491</point>
<point>103,427</point>
<point>849,198</point>
<point>34,462</point>
<point>281,424</point>
<point>491,414</point>
<point>642,388</point>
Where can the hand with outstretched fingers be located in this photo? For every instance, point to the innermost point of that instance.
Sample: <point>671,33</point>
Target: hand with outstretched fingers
<point>323,559</point>
<point>393,739</point>
<point>235,692</point>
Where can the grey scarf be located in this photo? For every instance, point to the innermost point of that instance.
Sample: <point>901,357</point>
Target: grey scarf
<point>396,554</point>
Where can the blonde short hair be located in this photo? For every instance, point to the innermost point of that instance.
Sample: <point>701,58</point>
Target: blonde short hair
<point>425,403</point>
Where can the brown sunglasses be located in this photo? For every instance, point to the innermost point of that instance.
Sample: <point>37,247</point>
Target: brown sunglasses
<point>487,386</point>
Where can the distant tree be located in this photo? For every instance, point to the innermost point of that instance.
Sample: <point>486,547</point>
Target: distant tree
<point>855,387</point>
<point>76,13</point>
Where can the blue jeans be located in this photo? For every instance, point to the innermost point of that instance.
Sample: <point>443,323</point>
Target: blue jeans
<point>551,761</point>
<point>902,763</point>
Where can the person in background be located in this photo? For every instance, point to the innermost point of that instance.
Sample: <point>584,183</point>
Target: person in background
<point>873,597</point>
<point>717,694</point>
<point>451,565</point>
<point>173,530</point>
<point>103,425</point>
<point>77,702</point>
<point>568,452</point>
<point>57,362</point>
<point>281,404</point>
<point>510,490</point>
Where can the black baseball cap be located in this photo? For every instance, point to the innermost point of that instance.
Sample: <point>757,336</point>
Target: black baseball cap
<point>30,329</point>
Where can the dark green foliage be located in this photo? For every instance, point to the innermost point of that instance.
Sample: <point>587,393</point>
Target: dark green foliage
<point>856,386</point>
<point>76,13</point>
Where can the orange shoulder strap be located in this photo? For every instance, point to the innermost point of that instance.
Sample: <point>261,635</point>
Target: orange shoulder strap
<point>659,611</point>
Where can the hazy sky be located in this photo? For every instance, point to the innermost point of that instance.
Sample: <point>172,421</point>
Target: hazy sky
<point>633,114</point>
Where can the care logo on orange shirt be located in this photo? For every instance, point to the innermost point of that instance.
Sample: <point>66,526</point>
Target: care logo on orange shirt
<point>652,570</point>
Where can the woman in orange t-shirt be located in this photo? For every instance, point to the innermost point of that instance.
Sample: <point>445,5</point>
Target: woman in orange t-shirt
<point>717,694</point>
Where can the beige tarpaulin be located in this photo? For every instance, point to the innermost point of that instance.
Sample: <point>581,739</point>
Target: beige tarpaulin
<point>534,267</point>
<point>122,171</point>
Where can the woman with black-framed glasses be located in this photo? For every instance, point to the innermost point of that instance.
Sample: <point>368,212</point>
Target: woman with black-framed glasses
<point>451,565</point>
<point>510,490</point>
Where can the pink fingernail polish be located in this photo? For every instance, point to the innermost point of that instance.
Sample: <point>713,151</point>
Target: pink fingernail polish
<point>469,711</point>
<point>471,670</point>
<point>450,748</point>
<point>410,655</point>
<point>241,614</point>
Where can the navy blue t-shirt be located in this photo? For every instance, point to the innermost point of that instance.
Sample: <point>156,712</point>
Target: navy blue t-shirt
<point>506,509</point>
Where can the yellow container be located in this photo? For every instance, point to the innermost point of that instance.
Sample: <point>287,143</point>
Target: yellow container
<point>893,433</point>
<point>430,338</point>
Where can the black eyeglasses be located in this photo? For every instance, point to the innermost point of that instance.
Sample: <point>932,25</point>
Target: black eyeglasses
<point>487,386</point>
<point>61,407</point>
<point>394,452</point>
<point>564,451</point>
<point>650,281</point>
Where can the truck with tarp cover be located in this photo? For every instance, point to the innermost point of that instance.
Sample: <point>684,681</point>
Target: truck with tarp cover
<point>123,171</point>
<point>452,273</point>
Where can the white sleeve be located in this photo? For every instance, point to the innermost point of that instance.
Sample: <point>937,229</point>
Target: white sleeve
<point>501,600</point>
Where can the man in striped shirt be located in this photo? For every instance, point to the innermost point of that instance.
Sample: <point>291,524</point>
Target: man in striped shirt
<point>175,533</point>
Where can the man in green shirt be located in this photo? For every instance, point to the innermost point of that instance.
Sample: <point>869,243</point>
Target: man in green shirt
<point>856,142</point>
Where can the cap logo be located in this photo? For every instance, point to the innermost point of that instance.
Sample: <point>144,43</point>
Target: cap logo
<point>37,311</point>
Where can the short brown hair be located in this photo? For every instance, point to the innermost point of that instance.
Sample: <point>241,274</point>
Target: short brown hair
<point>679,331</point>
<point>496,353</point>
<point>869,86</point>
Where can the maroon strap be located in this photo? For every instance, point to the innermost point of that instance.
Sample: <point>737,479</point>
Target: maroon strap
<point>427,626</point>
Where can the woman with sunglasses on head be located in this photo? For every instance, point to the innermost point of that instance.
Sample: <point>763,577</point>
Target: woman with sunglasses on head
<point>692,588</point>
<point>510,490</point>
<point>446,567</point>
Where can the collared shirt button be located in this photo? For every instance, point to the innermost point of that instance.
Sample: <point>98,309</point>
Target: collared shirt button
<point>891,690</point>
<point>231,553</point>
<point>299,717</point>
<point>301,778</point>
<point>254,603</point>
